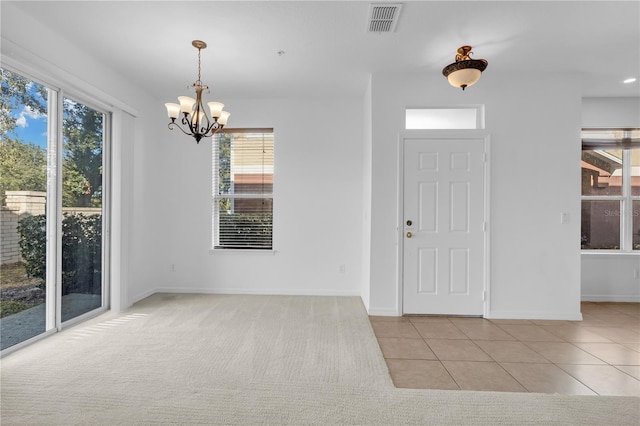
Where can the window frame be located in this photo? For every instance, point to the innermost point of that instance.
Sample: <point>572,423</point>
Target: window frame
<point>625,198</point>
<point>216,196</point>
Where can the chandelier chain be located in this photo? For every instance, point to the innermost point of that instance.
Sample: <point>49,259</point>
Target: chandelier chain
<point>199,50</point>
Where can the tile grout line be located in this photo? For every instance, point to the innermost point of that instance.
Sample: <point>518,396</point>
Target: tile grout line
<point>526,344</point>
<point>492,358</point>
<point>436,355</point>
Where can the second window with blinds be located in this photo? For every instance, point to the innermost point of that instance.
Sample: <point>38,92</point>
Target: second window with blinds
<point>243,189</point>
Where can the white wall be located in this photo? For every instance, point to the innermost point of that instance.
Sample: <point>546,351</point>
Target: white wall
<point>611,112</point>
<point>535,143</point>
<point>317,204</point>
<point>610,276</point>
<point>366,204</point>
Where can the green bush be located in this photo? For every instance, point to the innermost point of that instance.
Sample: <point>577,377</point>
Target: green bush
<point>246,230</point>
<point>81,251</point>
<point>33,239</point>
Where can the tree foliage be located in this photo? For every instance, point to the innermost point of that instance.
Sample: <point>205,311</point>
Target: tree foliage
<point>82,166</point>
<point>24,163</point>
<point>224,169</point>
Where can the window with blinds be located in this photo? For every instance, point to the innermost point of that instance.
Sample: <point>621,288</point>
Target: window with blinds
<point>243,189</point>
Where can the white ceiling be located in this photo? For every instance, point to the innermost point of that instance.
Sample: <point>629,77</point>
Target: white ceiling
<point>329,51</point>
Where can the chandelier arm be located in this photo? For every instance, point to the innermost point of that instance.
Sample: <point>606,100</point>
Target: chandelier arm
<point>170,125</point>
<point>188,124</point>
<point>201,118</point>
<point>214,128</point>
<point>211,130</point>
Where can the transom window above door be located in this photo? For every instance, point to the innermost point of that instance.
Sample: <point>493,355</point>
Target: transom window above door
<point>442,118</point>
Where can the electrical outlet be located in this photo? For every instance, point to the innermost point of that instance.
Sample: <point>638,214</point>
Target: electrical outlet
<point>342,268</point>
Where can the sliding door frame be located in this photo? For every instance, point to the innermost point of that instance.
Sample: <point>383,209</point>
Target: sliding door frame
<point>53,274</point>
<point>105,212</point>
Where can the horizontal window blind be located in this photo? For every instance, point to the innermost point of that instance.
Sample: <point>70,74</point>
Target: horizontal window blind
<point>243,189</point>
<point>610,138</point>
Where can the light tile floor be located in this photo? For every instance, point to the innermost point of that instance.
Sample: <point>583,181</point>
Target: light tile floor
<point>599,355</point>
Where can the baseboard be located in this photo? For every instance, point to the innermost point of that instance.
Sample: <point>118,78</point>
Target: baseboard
<point>141,296</point>
<point>383,312</point>
<point>560,316</point>
<point>261,292</point>
<point>609,298</point>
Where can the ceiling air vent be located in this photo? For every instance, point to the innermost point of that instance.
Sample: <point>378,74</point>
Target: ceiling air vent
<point>383,17</point>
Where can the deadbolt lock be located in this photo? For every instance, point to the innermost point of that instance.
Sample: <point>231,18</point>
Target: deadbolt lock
<point>409,223</point>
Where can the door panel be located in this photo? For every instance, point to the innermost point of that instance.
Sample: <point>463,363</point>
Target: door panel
<point>82,207</point>
<point>23,199</point>
<point>444,216</point>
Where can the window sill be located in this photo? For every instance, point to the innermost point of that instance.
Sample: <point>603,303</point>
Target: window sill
<point>216,251</point>
<point>610,253</point>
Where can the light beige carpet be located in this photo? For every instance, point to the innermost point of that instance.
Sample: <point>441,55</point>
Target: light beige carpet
<point>221,359</point>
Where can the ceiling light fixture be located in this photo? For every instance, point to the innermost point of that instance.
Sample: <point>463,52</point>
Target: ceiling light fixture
<point>195,120</point>
<point>465,71</point>
<point>630,80</point>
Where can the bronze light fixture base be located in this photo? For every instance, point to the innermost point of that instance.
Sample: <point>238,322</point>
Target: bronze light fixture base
<point>465,71</point>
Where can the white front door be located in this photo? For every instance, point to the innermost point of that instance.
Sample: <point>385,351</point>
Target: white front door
<point>444,225</point>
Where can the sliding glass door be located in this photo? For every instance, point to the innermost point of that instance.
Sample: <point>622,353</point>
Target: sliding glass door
<point>54,193</point>
<point>24,121</point>
<point>82,215</point>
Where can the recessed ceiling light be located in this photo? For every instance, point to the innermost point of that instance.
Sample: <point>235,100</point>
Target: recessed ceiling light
<point>630,80</point>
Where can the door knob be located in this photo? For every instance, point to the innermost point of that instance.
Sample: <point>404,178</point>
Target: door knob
<point>409,234</point>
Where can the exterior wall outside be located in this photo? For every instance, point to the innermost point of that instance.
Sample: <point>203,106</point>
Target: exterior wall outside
<point>9,239</point>
<point>20,204</point>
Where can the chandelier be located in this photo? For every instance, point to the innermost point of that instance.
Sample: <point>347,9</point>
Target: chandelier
<point>465,71</point>
<point>195,121</point>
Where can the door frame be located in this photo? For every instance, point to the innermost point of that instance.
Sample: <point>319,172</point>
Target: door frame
<point>444,134</point>
<point>107,141</point>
